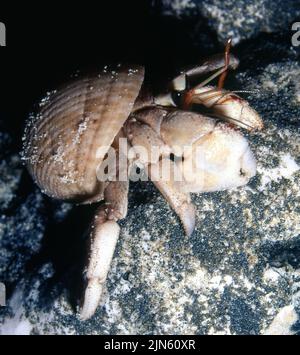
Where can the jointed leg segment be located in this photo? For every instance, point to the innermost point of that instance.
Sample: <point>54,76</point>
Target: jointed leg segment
<point>104,236</point>
<point>178,200</point>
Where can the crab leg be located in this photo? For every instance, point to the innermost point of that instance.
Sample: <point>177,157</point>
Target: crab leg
<point>179,201</point>
<point>227,62</point>
<point>104,236</point>
<point>182,84</point>
<point>188,97</point>
<point>145,130</point>
<point>216,63</point>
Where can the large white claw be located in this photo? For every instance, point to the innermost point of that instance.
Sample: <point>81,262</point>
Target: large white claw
<point>178,200</point>
<point>104,239</point>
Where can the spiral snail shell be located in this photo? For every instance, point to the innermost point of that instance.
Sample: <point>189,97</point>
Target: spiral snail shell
<point>61,141</point>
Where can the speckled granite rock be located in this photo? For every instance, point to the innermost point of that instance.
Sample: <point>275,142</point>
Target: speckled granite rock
<point>239,273</point>
<point>240,19</point>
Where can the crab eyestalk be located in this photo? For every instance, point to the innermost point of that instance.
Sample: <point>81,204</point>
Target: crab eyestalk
<point>227,61</point>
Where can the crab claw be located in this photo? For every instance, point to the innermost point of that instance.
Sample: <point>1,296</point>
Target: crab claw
<point>228,106</point>
<point>104,239</point>
<point>180,201</point>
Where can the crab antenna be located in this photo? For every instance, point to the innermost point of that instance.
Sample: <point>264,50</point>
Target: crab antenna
<point>227,58</point>
<point>256,91</point>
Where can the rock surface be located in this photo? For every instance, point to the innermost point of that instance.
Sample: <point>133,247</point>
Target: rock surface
<point>240,19</point>
<point>239,273</point>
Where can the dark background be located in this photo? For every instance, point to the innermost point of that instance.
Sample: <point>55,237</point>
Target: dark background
<point>47,42</point>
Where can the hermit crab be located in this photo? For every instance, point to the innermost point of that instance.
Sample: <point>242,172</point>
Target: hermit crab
<point>88,137</point>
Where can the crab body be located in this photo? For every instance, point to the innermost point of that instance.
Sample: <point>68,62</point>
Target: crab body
<point>69,140</point>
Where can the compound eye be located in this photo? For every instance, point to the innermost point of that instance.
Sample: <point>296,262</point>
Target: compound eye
<point>177,97</point>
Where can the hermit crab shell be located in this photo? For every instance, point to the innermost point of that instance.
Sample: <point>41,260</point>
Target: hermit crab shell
<point>62,141</point>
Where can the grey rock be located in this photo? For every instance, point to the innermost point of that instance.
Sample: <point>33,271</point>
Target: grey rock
<point>242,19</point>
<point>10,175</point>
<point>5,142</point>
<point>21,233</point>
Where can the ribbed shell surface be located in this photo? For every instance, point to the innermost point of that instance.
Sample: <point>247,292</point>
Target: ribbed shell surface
<point>62,141</point>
